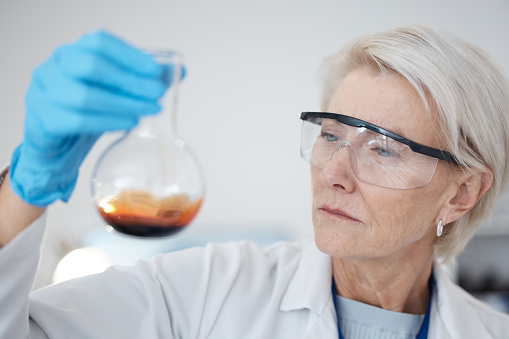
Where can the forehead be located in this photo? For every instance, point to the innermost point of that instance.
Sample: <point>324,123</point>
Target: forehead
<point>388,101</point>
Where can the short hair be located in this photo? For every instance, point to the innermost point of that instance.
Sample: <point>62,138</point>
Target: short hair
<point>459,81</point>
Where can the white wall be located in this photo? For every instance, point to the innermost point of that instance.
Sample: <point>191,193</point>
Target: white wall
<point>251,72</point>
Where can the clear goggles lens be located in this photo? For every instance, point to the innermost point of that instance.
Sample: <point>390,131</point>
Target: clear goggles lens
<point>376,158</point>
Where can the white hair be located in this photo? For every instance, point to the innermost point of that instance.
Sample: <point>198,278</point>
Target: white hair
<point>467,89</point>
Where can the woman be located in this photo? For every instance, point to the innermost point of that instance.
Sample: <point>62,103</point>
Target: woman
<point>409,154</point>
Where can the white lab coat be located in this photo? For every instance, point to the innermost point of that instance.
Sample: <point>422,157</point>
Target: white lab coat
<point>234,290</point>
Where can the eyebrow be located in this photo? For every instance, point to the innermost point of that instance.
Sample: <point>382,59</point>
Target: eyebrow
<point>388,122</point>
<point>382,123</point>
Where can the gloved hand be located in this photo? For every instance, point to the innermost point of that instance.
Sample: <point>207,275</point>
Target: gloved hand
<point>95,85</point>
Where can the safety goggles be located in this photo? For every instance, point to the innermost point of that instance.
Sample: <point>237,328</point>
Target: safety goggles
<point>379,157</point>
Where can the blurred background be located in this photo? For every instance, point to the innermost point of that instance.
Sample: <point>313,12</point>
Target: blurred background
<point>251,71</point>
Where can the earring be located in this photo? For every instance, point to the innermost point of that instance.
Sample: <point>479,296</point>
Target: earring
<point>440,228</point>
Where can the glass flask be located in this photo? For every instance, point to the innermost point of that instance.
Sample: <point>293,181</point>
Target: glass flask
<point>148,183</point>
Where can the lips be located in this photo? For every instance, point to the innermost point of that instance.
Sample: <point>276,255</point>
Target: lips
<point>337,213</point>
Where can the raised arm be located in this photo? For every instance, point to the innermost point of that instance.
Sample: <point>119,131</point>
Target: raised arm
<point>84,89</point>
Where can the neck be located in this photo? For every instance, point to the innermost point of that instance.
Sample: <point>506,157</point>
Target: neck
<point>393,283</point>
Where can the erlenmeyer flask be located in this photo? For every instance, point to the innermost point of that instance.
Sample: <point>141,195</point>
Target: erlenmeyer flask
<point>149,183</point>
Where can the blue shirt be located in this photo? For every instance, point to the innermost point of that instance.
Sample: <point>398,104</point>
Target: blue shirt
<point>362,321</point>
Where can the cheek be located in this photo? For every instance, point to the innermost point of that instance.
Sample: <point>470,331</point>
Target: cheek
<point>394,214</point>
<point>391,218</point>
<point>319,191</point>
<point>316,182</point>
<point>398,218</point>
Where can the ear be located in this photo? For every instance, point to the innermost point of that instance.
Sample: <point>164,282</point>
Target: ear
<point>471,187</point>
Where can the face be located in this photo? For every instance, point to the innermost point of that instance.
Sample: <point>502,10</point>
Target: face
<point>353,219</point>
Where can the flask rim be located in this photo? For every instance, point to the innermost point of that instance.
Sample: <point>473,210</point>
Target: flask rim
<point>164,56</point>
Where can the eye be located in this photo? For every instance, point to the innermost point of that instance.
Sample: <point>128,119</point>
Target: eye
<point>382,149</point>
<point>329,137</point>
<point>384,152</point>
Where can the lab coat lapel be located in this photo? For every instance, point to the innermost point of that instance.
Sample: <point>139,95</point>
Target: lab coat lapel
<point>326,327</point>
<point>310,285</point>
<point>452,315</point>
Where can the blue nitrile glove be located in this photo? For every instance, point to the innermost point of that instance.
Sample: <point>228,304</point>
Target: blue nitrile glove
<point>95,85</point>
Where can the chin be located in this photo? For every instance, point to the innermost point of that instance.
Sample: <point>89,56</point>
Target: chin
<point>331,242</point>
<point>334,237</point>
<point>345,243</point>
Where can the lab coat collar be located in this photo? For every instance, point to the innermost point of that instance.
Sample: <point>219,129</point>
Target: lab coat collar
<point>310,286</point>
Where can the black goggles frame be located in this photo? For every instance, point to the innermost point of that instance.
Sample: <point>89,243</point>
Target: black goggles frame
<point>354,122</point>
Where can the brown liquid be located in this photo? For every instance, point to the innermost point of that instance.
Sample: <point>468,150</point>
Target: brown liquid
<point>140,213</point>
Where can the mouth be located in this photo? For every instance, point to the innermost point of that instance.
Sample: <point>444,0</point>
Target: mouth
<point>337,213</point>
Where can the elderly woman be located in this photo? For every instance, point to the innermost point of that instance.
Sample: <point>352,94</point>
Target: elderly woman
<point>409,154</point>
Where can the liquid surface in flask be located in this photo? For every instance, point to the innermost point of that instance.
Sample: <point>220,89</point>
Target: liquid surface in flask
<point>140,213</point>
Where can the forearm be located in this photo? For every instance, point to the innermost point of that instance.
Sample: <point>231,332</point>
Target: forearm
<point>15,214</point>
<point>18,265</point>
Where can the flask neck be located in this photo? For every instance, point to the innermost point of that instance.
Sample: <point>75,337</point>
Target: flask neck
<point>161,124</point>
<point>164,123</point>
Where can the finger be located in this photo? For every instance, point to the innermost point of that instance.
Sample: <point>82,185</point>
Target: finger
<point>45,119</point>
<point>100,71</point>
<point>171,73</point>
<point>85,123</point>
<point>69,93</point>
<point>119,52</point>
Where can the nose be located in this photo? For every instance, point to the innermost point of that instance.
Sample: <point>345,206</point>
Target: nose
<point>339,172</point>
